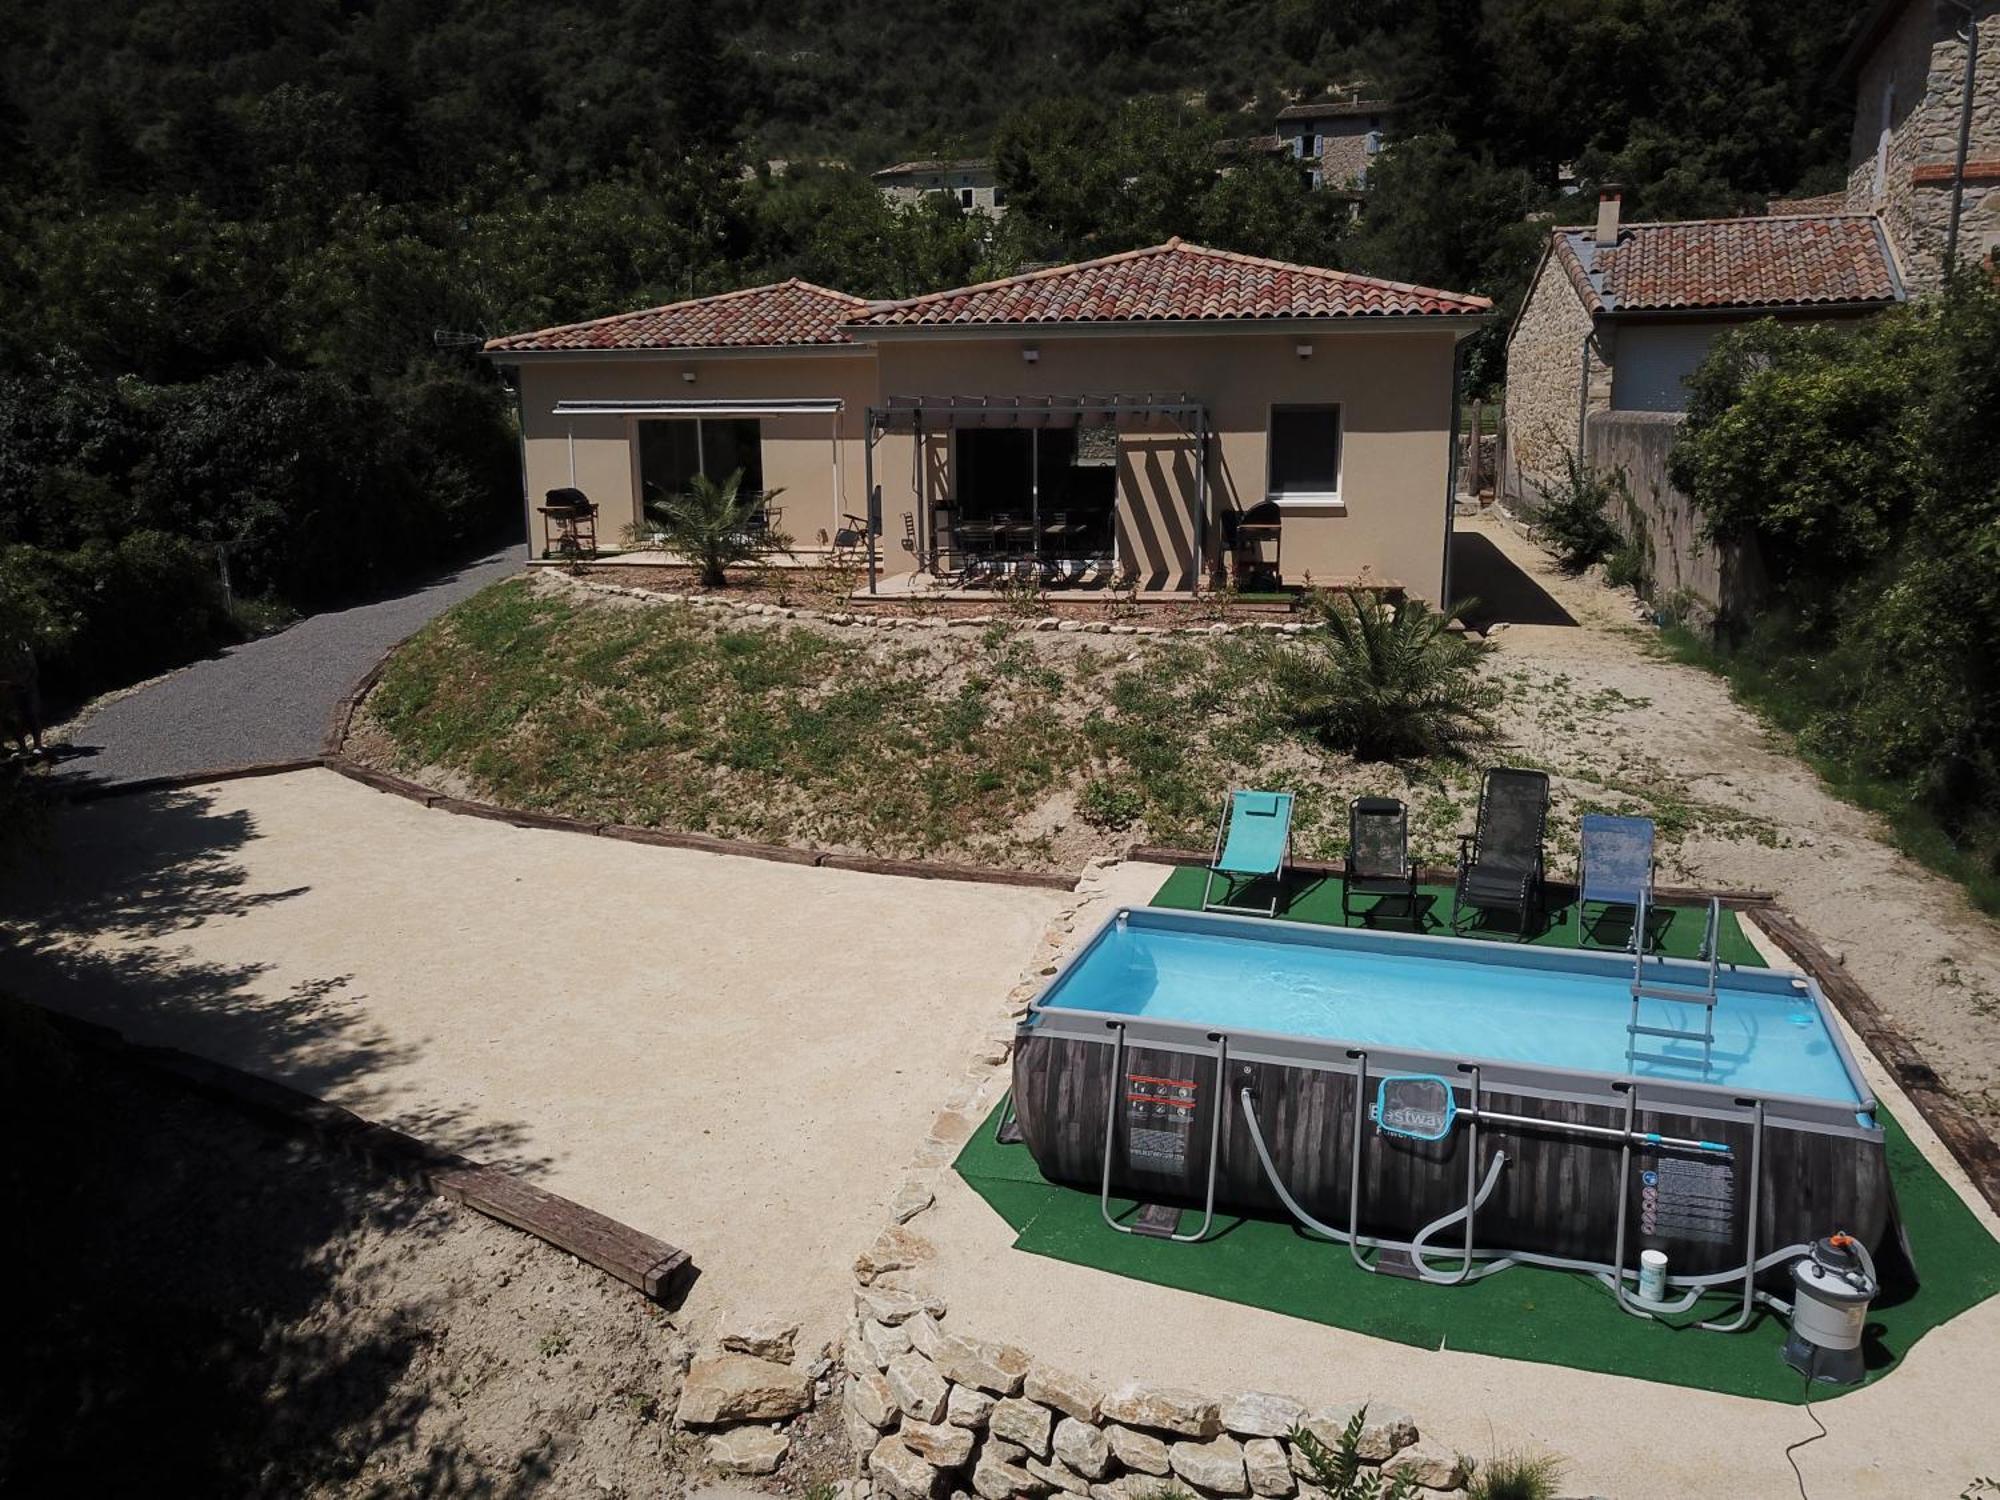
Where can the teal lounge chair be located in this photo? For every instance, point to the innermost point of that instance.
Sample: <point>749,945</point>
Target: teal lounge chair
<point>1254,842</point>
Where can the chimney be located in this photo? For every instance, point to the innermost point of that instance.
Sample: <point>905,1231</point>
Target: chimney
<point>1607,214</point>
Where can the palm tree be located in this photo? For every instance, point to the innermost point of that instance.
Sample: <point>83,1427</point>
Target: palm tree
<point>713,525</point>
<point>1383,682</point>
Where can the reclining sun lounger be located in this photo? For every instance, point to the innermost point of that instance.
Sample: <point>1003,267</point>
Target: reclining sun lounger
<point>1378,859</point>
<point>1500,861</point>
<point>1614,868</point>
<point>1253,842</point>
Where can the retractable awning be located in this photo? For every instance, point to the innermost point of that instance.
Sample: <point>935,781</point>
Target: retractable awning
<point>913,413</point>
<point>803,406</point>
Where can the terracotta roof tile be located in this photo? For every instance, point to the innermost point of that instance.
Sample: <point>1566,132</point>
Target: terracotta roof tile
<point>1799,260</point>
<point>1170,283</point>
<point>787,313</point>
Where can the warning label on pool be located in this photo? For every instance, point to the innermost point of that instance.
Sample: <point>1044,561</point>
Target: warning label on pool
<point>1686,1199</point>
<point>1159,1119</point>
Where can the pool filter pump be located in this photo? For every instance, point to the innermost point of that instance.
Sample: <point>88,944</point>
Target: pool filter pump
<point>1832,1287</point>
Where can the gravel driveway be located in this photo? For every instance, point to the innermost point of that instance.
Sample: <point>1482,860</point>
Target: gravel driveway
<point>268,699</point>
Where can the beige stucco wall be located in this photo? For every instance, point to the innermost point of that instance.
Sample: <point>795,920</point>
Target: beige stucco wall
<point>1545,368</point>
<point>820,480</point>
<point>1393,388</point>
<point>1923,61</point>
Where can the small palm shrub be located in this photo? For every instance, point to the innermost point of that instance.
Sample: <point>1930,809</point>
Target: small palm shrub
<point>1338,1470</point>
<point>715,525</point>
<point>1383,682</point>
<point>1517,1476</point>
<point>1574,520</point>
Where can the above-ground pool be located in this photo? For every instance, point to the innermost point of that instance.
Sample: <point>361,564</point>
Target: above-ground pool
<point>1185,1059</point>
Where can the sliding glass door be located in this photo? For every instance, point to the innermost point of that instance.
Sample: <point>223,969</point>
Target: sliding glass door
<point>673,450</point>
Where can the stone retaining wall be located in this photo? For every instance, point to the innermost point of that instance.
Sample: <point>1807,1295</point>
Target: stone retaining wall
<point>932,1411</point>
<point>886,621</point>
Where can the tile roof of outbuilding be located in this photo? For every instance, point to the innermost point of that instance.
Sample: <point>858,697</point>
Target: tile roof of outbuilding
<point>1174,282</point>
<point>783,314</point>
<point>1775,260</point>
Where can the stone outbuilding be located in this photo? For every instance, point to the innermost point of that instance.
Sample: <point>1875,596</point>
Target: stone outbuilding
<point>1618,315</point>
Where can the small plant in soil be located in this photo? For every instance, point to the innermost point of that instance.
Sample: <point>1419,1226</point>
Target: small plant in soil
<point>1339,1471</point>
<point>1517,1476</point>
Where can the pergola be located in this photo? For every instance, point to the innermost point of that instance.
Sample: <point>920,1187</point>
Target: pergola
<point>922,415</point>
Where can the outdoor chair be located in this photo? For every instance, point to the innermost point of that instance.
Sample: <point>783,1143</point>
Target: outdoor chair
<point>1253,842</point>
<point>1500,861</point>
<point>1378,858</point>
<point>1614,868</point>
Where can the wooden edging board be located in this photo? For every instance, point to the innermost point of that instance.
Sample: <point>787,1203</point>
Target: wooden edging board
<point>649,1265</point>
<point>1963,1136</point>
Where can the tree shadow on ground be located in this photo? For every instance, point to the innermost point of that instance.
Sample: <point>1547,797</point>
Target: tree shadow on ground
<point>88,926</point>
<point>204,1307</point>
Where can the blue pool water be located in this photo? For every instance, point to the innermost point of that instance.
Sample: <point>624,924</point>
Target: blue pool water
<point>1467,1001</point>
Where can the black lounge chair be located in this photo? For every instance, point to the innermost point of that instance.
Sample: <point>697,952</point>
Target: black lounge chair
<point>1378,858</point>
<point>1500,862</point>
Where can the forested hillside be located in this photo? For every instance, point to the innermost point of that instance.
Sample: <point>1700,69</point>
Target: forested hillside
<point>245,245</point>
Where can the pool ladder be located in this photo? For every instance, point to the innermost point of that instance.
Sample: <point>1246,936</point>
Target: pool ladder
<point>1704,995</point>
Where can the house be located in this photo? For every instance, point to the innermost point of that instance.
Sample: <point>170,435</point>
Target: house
<point>1336,139</point>
<point>1617,316</point>
<point>970,181</point>
<point>1111,419</point>
<point>1925,152</point>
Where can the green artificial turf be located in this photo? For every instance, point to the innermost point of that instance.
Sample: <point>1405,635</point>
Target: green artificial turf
<point>1552,1317</point>
<point>1676,930</point>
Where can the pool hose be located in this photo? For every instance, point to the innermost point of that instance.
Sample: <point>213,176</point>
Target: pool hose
<point>1495,1260</point>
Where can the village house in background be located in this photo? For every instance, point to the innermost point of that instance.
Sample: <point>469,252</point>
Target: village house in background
<point>1334,140</point>
<point>970,181</point>
<point>1619,314</point>
<point>1154,419</point>
<point>1337,139</point>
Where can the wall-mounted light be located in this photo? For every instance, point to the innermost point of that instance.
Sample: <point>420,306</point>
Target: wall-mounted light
<point>688,376</point>
<point>1305,350</point>
<point>1030,354</point>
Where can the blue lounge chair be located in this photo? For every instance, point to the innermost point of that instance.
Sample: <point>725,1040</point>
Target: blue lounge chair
<point>1254,842</point>
<point>1614,867</point>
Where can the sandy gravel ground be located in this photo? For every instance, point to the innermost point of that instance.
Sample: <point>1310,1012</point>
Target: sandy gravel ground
<point>734,1055</point>
<point>1929,960</point>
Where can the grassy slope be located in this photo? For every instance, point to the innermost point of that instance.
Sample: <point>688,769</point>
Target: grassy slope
<point>996,745</point>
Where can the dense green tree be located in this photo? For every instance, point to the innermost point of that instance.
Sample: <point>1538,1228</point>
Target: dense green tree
<point>1865,464</point>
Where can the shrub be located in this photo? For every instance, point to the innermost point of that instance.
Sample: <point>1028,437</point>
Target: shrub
<point>1106,804</point>
<point>1383,682</point>
<point>1574,520</point>
<point>1517,1476</point>
<point>714,525</point>
<point>1630,566</point>
<point>1863,464</point>
<point>110,613</point>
